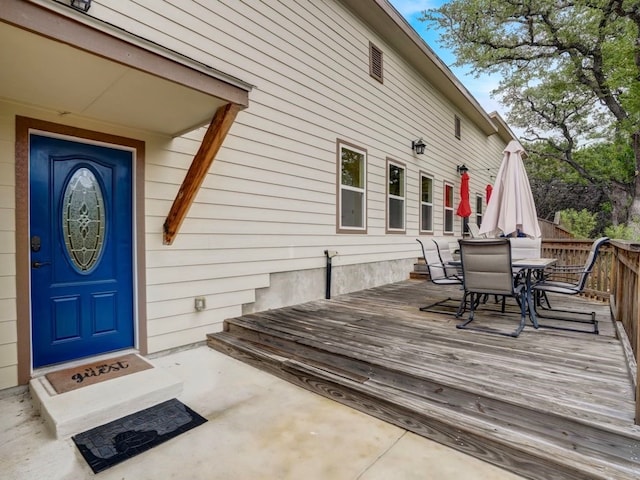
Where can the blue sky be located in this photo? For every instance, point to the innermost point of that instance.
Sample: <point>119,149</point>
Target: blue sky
<point>481,87</point>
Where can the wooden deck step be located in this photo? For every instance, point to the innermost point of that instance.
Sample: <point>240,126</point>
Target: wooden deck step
<point>405,377</point>
<point>528,434</point>
<point>404,359</point>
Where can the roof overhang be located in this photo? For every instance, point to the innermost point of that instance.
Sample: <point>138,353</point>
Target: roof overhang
<point>390,25</point>
<point>58,62</point>
<point>504,131</point>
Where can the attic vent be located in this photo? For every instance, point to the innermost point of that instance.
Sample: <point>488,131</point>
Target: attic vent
<point>375,62</point>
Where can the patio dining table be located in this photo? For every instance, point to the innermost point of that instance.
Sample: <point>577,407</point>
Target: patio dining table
<point>532,268</point>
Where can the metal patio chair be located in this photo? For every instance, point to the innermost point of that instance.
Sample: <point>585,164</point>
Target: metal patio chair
<point>486,269</point>
<point>567,280</point>
<point>446,258</point>
<point>474,230</point>
<point>440,274</point>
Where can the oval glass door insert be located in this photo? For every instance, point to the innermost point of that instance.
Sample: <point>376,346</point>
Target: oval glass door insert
<point>83,219</point>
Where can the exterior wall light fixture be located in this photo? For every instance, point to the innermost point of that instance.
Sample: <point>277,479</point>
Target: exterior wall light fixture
<point>462,169</point>
<point>82,5</point>
<point>200,304</point>
<point>418,146</point>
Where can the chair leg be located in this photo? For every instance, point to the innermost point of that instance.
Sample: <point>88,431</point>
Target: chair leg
<point>539,297</point>
<point>461,307</point>
<point>472,309</point>
<point>475,301</point>
<point>434,304</point>
<point>523,315</point>
<point>547,313</point>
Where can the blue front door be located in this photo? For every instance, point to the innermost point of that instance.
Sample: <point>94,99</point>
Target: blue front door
<point>81,249</point>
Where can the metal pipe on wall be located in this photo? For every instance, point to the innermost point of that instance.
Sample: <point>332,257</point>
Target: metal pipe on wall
<point>329,254</point>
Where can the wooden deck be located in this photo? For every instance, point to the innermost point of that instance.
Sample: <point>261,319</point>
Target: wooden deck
<point>549,404</point>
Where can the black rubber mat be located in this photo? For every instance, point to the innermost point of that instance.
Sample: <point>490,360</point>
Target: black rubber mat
<point>114,442</point>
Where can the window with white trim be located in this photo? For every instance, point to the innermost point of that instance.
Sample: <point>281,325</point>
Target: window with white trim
<point>448,207</point>
<point>426,203</point>
<point>396,196</point>
<point>352,194</point>
<point>479,211</point>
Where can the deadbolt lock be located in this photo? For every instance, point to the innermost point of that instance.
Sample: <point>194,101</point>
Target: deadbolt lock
<point>35,243</point>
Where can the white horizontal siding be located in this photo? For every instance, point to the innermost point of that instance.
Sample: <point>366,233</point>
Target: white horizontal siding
<point>165,275</point>
<point>8,332</point>
<point>310,66</point>
<point>187,288</point>
<point>187,336</point>
<point>8,310</point>
<point>7,288</point>
<point>268,204</point>
<point>8,314</point>
<point>8,354</point>
<point>7,264</point>
<point>8,241</point>
<point>7,173</point>
<point>8,376</point>
<point>7,197</point>
<point>192,320</point>
<point>171,308</point>
<point>259,198</point>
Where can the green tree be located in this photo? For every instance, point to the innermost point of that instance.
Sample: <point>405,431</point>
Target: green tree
<point>557,186</point>
<point>621,232</point>
<point>570,74</point>
<point>581,223</point>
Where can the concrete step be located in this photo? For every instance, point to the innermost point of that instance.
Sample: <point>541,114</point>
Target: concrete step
<point>76,411</point>
<point>420,270</point>
<point>420,267</point>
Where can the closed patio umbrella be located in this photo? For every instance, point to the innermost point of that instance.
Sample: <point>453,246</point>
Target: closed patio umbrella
<point>464,208</point>
<point>511,208</point>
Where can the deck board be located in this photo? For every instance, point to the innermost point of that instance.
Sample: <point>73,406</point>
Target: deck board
<point>547,387</point>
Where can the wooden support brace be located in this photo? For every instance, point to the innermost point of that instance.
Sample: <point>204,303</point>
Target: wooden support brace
<point>211,143</point>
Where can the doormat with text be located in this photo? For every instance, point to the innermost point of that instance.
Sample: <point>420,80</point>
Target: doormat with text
<point>114,442</point>
<point>82,375</point>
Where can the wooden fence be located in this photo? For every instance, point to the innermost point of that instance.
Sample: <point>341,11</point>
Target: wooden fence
<point>553,230</point>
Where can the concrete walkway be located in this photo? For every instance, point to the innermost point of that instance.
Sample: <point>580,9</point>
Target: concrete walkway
<point>260,427</point>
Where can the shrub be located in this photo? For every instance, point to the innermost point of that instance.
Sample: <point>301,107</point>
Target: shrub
<point>580,223</point>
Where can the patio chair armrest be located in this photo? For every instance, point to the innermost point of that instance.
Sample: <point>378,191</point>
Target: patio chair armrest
<point>566,268</point>
<point>562,272</point>
<point>562,278</point>
<point>446,270</point>
<point>457,275</point>
<point>519,276</point>
<point>440,266</point>
<point>520,288</point>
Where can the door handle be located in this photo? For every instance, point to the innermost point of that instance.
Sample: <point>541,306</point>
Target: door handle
<point>39,264</point>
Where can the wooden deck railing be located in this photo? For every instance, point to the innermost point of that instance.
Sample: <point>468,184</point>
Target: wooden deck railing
<point>625,295</point>
<point>572,251</point>
<point>614,279</point>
